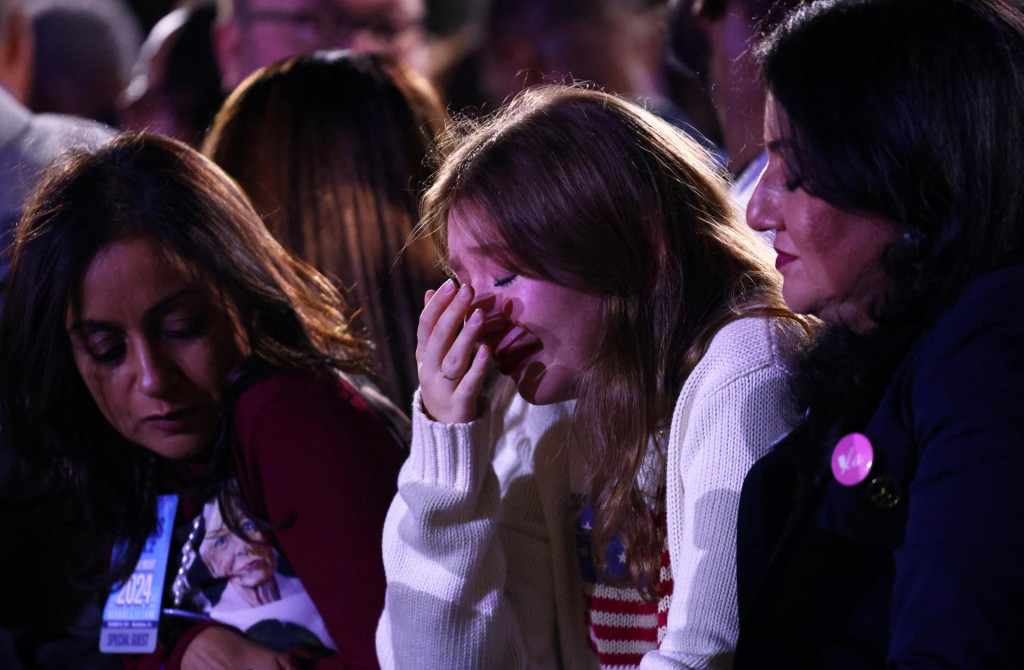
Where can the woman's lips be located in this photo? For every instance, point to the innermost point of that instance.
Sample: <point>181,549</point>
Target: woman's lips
<point>172,422</point>
<point>783,259</point>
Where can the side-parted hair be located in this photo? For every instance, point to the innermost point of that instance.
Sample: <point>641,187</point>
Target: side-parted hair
<point>911,110</point>
<point>142,186</point>
<point>590,192</point>
<point>330,148</point>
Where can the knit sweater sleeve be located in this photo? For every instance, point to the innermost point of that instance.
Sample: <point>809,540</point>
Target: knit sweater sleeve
<point>731,409</point>
<point>466,546</point>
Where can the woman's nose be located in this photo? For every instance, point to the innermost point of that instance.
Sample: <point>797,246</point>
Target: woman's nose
<point>763,213</point>
<point>156,371</point>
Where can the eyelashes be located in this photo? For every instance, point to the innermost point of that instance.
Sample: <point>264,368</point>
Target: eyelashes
<point>107,356</point>
<point>498,283</point>
<point>108,349</point>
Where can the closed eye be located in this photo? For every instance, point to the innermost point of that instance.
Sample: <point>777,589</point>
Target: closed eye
<point>107,356</point>
<point>505,281</point>
<point>185,330</point>
<point>104,347</point>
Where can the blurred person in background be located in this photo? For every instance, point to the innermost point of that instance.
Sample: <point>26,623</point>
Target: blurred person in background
<point>330,147</point>
<point>615,44</point>
<point>175,86</point>
<point>714,40</point>
<point>28,141</point>
<point>17,51</point>
<point>250,34</point>
<point>83,53</point>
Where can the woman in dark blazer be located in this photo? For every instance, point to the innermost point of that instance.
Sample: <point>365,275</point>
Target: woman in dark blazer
<point>888,529</point>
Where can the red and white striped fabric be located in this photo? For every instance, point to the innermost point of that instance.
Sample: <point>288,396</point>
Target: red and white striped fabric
<point>623,626</point>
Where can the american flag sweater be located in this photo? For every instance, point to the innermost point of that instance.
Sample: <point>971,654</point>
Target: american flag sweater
<point>481,551</point>
<point>622,624</point>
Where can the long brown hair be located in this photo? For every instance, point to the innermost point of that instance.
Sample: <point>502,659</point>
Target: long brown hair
<point>331,147</point>
<point>143,186</point>
<point>591,192</point>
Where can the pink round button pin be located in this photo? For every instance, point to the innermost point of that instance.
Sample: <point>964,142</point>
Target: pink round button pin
<point>852,459</point>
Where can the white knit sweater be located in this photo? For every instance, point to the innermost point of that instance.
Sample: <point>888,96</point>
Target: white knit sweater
<point>478,543</point>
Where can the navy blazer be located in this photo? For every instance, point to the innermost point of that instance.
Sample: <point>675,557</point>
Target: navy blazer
<point>922,564</point>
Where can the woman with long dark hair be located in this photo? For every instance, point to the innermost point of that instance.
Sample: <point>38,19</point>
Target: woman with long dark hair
<point>331,148</point>
<point>582,511</point>
<point>155,339</point>
<point>885,532</point>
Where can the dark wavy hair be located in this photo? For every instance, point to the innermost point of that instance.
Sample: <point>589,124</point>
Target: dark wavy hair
<point>143,186</point>
<point>593,193</point>
<point>912,110</point>
<point>330,148</point>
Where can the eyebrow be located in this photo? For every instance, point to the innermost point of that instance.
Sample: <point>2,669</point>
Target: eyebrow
<point>160,305</point>
<point>486,250</point>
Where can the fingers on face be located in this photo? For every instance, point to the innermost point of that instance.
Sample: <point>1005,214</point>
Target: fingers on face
<point>446,327</point>
<point>436,302</point>
<point>460,354</point>
<point>472,383</point>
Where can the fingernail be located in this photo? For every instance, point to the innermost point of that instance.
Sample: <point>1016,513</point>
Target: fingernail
<point>476,317</point>
<point>448,286</point>
<point>466,292</point>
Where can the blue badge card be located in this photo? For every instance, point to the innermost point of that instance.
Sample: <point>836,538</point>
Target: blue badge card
<point>132,613</point>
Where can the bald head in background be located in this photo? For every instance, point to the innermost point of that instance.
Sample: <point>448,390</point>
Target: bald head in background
<point>250,34</point>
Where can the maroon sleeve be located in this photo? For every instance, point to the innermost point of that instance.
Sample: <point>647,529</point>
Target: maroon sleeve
<point>318,463</point>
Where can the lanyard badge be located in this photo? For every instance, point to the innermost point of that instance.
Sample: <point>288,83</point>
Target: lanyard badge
<point>132,613</point>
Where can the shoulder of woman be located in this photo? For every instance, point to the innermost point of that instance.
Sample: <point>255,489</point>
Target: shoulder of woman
<point>748,345</point>
<point>992,300</point>
<point>982,332</point>
<point>301,395</point>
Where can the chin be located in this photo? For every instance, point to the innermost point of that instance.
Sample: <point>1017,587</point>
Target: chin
<point>797,302</point>
<point>177,448</point>
<point>539,386</point>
